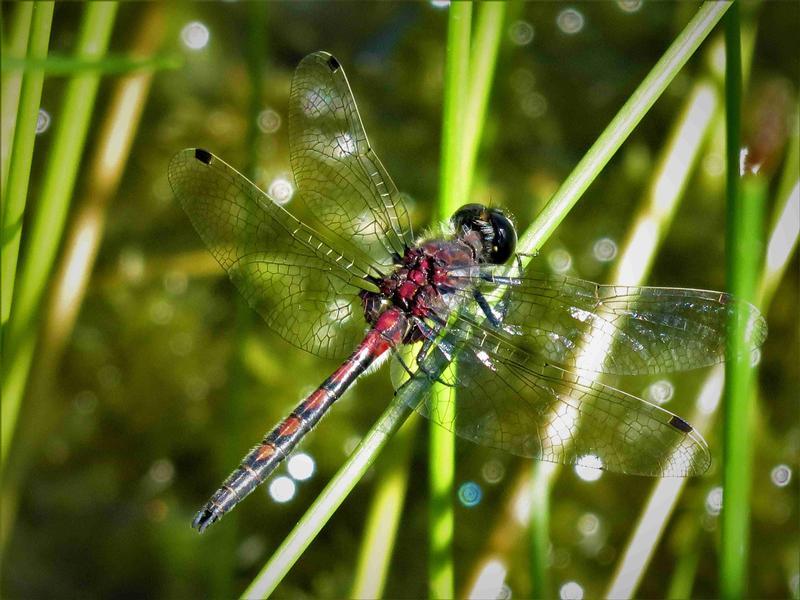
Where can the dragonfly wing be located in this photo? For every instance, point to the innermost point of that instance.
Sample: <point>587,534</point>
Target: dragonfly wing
<point>619,330</point>
<point>304,289</point>
<point>338,174</point>
<point>506,399</point>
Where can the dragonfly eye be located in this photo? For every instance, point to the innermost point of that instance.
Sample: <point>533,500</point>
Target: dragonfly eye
<point>498,235</point>
<point>505,237</point>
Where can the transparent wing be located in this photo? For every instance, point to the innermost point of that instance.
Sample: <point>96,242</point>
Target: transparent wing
<point>612,329</point>
<point>509,400</point>
<point>338,175</point>
<point>303,288</point>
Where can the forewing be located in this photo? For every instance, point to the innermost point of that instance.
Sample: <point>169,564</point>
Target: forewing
<point>619,330</point>
<point>506,399</point>
<point>303,288</point>
<point>338,174</point>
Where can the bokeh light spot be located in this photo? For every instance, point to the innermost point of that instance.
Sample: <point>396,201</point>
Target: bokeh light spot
<point>269,121</point>
<point>604,249</point>
<point>660,392</point>
<point>281,190</point>
<point>521,33</point>
<point>714,501</point>
<point>629,6</point>
<point>559,260</point>
<point>781,475</point>
<point>470,494</point>
<point>282,489</point>
<point>571,590</point>
<point>301,466</point>
<point>570,21</point>
<point>195,35</point>
<point>588,467</point>
<point>493,471</point>
<point>42,121</point>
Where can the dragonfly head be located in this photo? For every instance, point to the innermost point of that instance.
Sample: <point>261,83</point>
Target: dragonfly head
<point>498,236</point>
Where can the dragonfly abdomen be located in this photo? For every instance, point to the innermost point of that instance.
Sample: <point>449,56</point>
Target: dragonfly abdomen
<point>257,465</point>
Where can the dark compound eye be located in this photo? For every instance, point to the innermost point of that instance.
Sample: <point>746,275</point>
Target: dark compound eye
<point>505,237</point>
<point>469,216</point>
<point>497,231</point>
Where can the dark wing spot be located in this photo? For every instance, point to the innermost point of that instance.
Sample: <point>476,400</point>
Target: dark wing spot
<point>204,156</point>
<point>680,424</point>
<point>333,64</point>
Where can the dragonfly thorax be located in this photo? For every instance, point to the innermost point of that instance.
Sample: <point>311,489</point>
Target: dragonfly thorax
<point>418,284</point>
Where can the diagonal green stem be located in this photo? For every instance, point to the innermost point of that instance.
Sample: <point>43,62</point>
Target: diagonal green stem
<point>622,125</point>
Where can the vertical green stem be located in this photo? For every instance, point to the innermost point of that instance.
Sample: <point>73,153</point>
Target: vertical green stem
<point>483,58</point>
<point>16,46</point>
<point>746,201</point>
<point>452,188</point>
<point>15,194</point>
<point>42,244</point>
<point>540,529</point>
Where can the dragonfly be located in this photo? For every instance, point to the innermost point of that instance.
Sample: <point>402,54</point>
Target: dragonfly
<point>522,351</point>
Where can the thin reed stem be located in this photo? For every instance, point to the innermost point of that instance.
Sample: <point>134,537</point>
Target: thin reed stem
<point>15,194</point>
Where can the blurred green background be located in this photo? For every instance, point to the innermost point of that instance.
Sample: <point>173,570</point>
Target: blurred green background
<point>150,378</point>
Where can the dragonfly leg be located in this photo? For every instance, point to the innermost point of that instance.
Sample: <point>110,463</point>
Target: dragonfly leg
<point>487,310</point>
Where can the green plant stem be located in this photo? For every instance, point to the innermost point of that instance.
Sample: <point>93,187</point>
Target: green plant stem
<point>482,62</point>
<point>622,125</point>
<point>51,212</point>
<point>744,230</point>
<point>745,225</point>
<point>383,517</point>
<point>17,43</point>
<point>541,586</point>
<point>452,191</point>
<point>15,194</point>
<point>332,496</point>
<point>680,586</point>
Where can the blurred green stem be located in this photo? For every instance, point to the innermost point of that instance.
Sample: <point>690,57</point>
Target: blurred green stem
<point>43,241</point>
<point>15,195</point>
<point>452,190</point>
<point>483,58</point>
<point>383,517</point>
<point>540,529</point>
<point>16,44</point>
